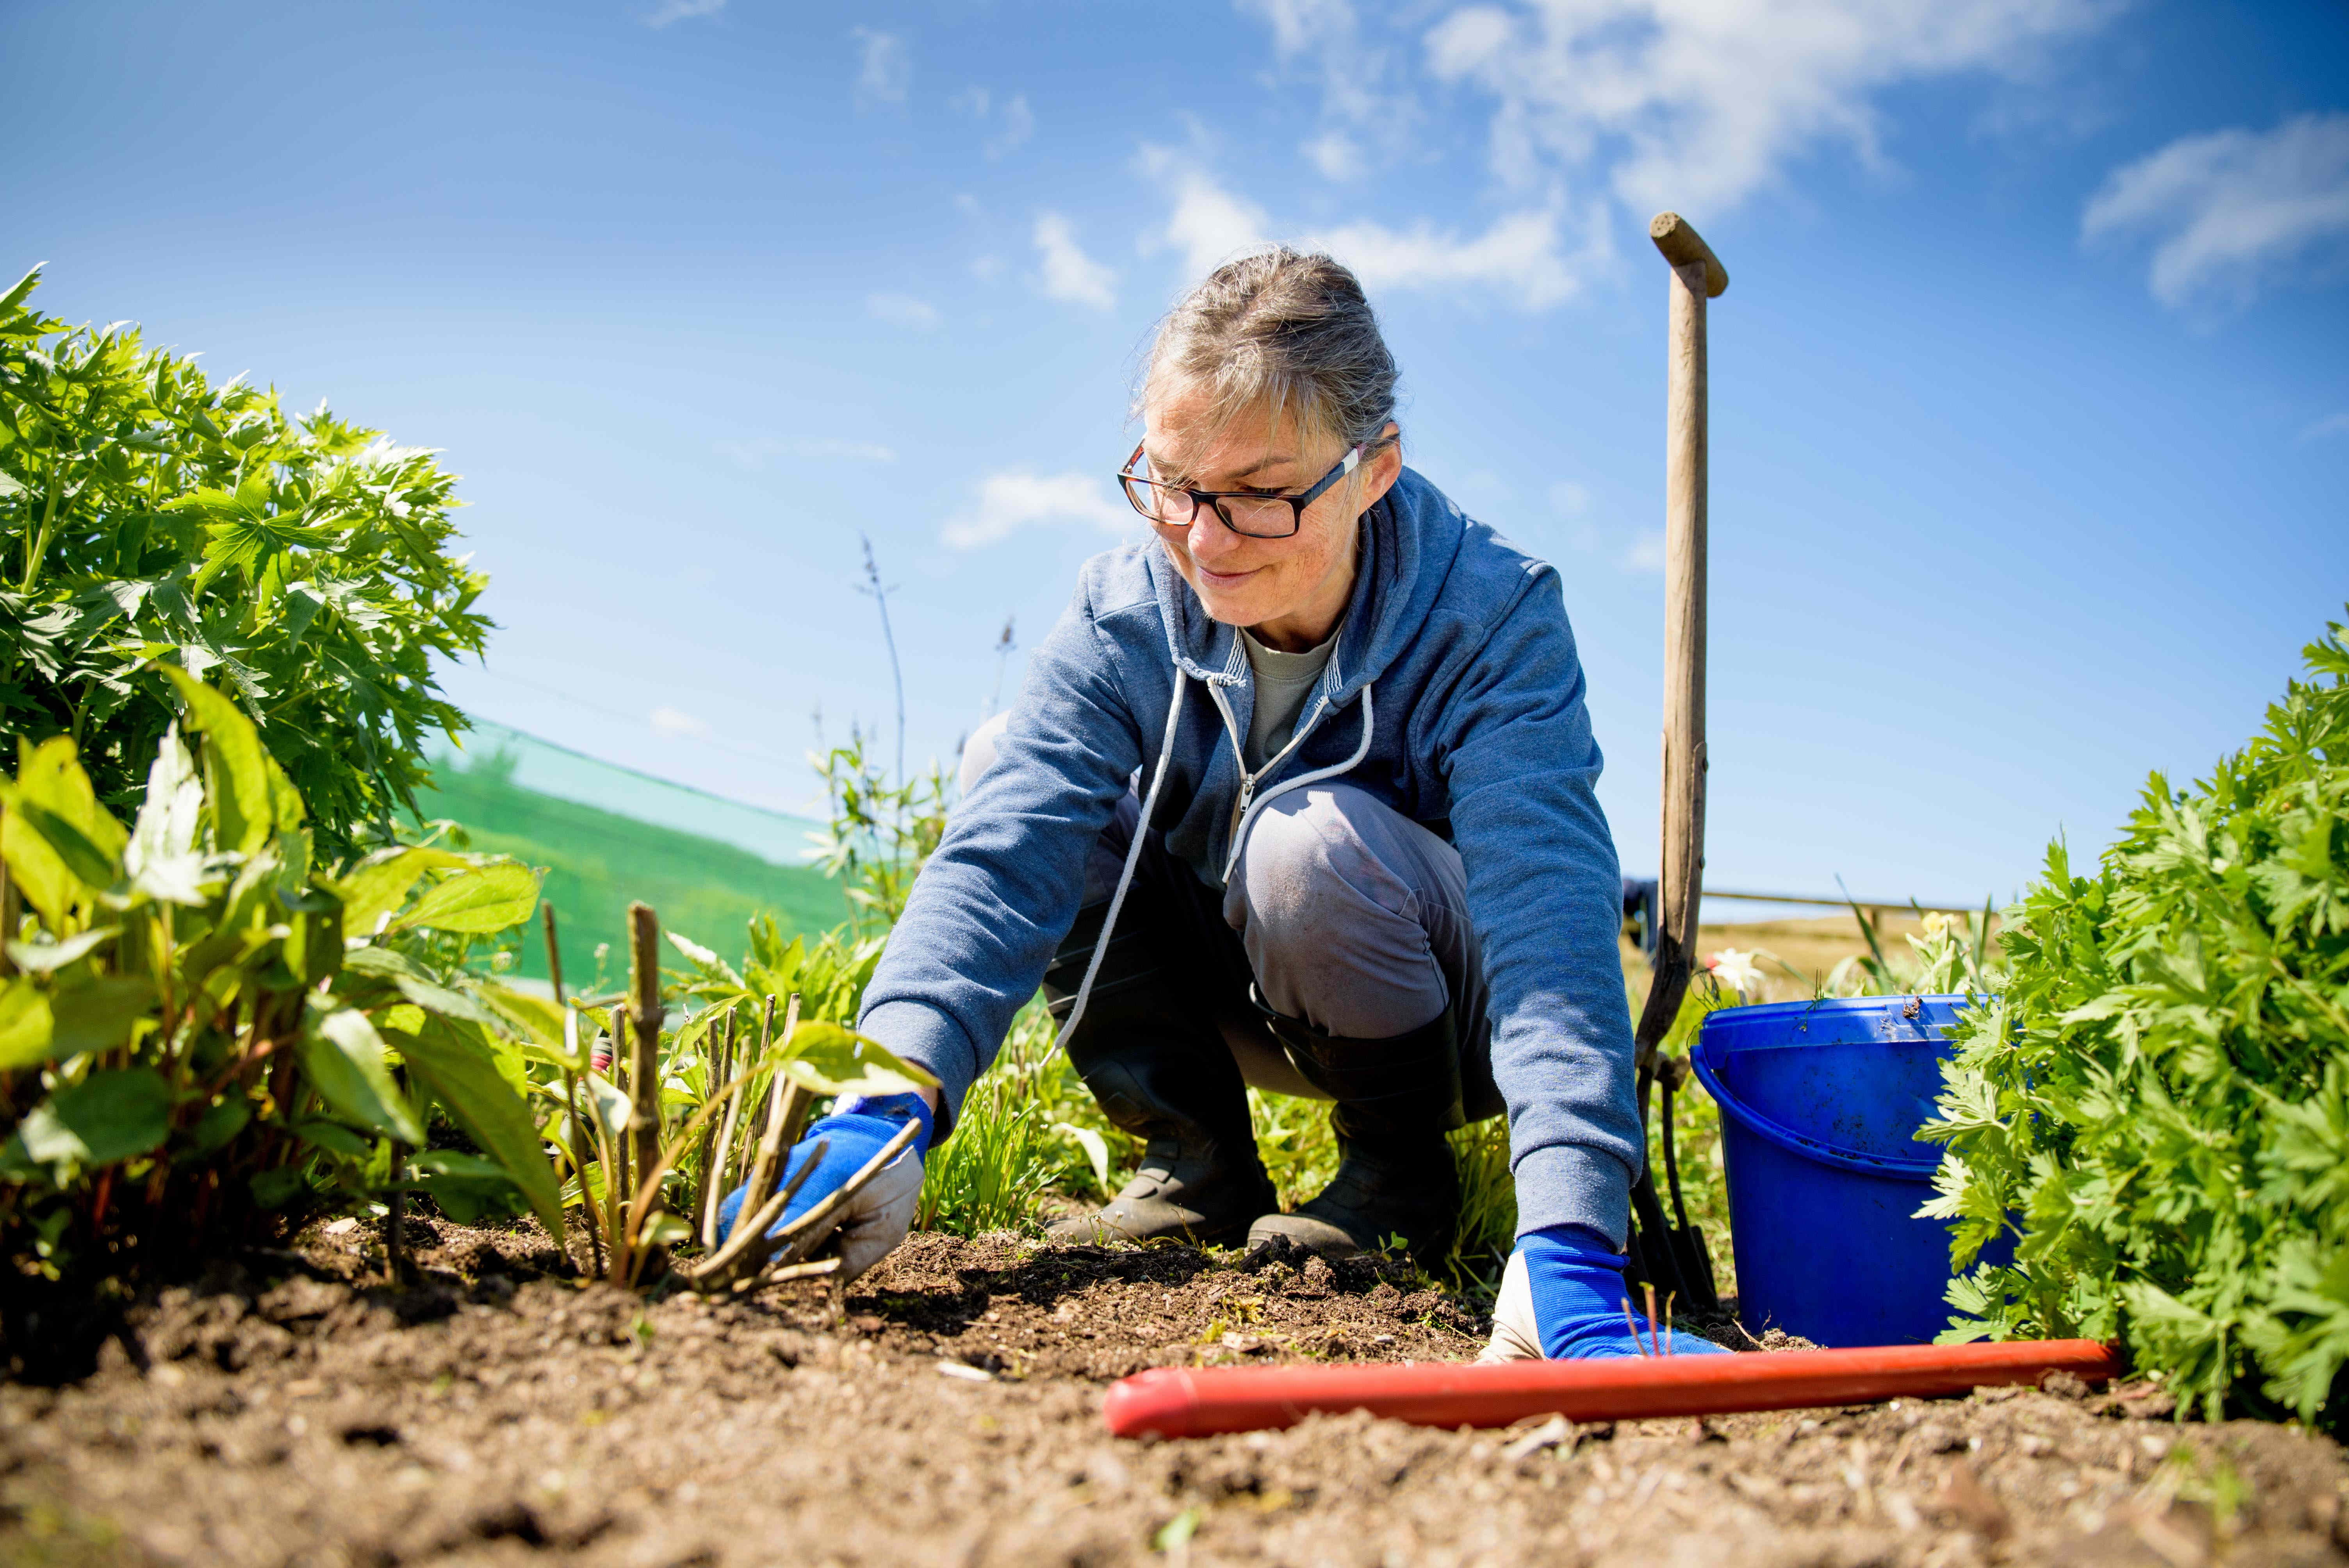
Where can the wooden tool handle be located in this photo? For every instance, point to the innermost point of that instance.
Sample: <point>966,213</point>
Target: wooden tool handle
<point>1683,246</point>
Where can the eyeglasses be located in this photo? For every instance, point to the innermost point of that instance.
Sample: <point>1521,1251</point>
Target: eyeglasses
<point>1249,513</point>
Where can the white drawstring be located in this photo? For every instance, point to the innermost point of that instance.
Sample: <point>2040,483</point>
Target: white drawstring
<point>1240,834</point>
<point>1132,858</point>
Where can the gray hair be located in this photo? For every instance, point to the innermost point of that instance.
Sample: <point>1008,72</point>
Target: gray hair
<point>1283,328</point>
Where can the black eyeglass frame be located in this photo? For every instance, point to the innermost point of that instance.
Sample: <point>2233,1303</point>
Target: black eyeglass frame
<point>1127,480</point>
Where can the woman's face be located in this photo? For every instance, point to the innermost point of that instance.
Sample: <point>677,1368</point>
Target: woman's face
<point>1290,593</point>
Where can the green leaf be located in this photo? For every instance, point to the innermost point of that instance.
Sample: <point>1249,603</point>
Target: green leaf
<point>380,883</point>
<point>236,769</point>
<point>665,1229</point>
<point>344,1057</point>
<point>97,1013</point>
<point>219,1123</point>
<point>461,1068</point>
<point>25,1028</point>
<point>434,997</point>
<point>59,842</point>
<point>535,1019</point>
<point>276,1188</point>
<point>609,1105</point>
<point>23,288</point>
<point>45,957</point>
<point>107,1117</point>
<point>830,1059</point>
<point>332,1135</point>
<point>492,898</point>
<point>1096,1150</point>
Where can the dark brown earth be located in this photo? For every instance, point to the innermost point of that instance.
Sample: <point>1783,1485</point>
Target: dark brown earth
<point>284,1412</point>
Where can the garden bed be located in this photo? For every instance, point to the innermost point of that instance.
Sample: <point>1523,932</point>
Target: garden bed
<point>284,1410</point>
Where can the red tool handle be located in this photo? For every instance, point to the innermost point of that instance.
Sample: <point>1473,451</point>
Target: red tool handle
<point>1178,1402</point>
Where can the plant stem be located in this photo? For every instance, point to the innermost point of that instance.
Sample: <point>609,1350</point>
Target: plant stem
<point>897,675</point>
<point>644,1072</point>
<point>395,1243</point>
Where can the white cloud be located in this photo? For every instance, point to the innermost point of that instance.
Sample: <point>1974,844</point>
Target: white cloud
<point>2228,208</point>
<point>1068,274</point>
<point>1521,257</point>
<point>1337,156</point>
<point>1645,552</point>
<point>669,11</point>
<point>1009,502</point>
<point>1326,36</point>
<point>886,67</point>
<point>1568,499</point>
<point>1207,223</point>
<point>1697,103</point>
<point>757,453</point>
<point>901,310</point>
<point>1019,125</point>
<point>1015,125</point>
<point>669,721</point>
<point>2336,425</point>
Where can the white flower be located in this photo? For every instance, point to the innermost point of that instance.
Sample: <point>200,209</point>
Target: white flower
<point>1936,923</point>
<point>1737,971</point>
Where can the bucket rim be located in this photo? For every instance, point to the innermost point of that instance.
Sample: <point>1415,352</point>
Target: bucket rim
<point>1812,1148</point>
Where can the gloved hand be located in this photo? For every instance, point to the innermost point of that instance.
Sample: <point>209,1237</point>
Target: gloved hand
<point>1562,1297</point>
<point>877,1218</point>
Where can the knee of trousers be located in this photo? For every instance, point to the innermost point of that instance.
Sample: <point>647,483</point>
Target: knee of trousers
<point>1331,929</point>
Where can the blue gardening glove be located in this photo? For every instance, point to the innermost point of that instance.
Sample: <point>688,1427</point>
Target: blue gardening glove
<point>877,1218</point>
<point>1563,1296</point>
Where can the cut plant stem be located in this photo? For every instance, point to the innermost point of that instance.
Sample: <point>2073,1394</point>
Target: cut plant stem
<point>800,1099</point>
<point>644,1072</point>
<point>716,1161</point>
<point>771,1145</point>
<point>623,1081</point>
<point>750,1228</point>
<point>714,1077</point>
<point>750,1249</point>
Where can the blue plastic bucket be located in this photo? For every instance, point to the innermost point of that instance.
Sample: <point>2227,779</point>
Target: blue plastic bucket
<point>1820,1102</point>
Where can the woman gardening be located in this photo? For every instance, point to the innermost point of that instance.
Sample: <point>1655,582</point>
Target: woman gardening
<point>1297,793</point>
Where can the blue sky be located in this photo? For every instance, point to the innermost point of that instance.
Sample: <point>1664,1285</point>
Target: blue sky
<point>2030,404</point>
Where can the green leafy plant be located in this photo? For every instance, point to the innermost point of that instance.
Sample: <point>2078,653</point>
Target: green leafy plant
<point>200,1026</point>
<point>2156,1106</point>
<point>153,521</point>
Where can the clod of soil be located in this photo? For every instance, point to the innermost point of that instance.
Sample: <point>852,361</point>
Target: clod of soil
<point>287,1412</point>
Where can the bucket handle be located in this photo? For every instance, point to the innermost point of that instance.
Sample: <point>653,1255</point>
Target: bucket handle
<point>1809,1148</point>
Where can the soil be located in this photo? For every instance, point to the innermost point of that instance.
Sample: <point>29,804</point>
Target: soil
<point>286,1410</point>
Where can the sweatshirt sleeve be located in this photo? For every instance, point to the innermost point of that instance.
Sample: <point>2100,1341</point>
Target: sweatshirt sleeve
<point>1545,893</point>
<point>1001,891</point>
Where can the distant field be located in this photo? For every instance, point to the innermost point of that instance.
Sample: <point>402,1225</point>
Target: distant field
<point>1810,947</point>
<point>597,861</point>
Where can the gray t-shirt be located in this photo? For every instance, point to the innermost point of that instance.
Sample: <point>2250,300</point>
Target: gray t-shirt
<point>1283,682</point>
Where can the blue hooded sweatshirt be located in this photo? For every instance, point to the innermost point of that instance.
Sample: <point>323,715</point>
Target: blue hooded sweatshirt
<point>1453,695</point>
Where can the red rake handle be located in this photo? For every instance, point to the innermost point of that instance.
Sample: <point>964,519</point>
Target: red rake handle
<point>1177,1402</point>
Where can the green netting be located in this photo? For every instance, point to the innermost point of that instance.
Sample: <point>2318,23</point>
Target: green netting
<point>607,835</point>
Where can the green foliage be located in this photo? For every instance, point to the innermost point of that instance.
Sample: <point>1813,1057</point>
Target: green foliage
<point>150,520</point>
<point>2157,1107</point>
<point>188,1038</point>
<point>881,834</point>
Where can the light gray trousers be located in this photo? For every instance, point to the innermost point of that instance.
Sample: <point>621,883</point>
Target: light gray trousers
<point>1353,918</point>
